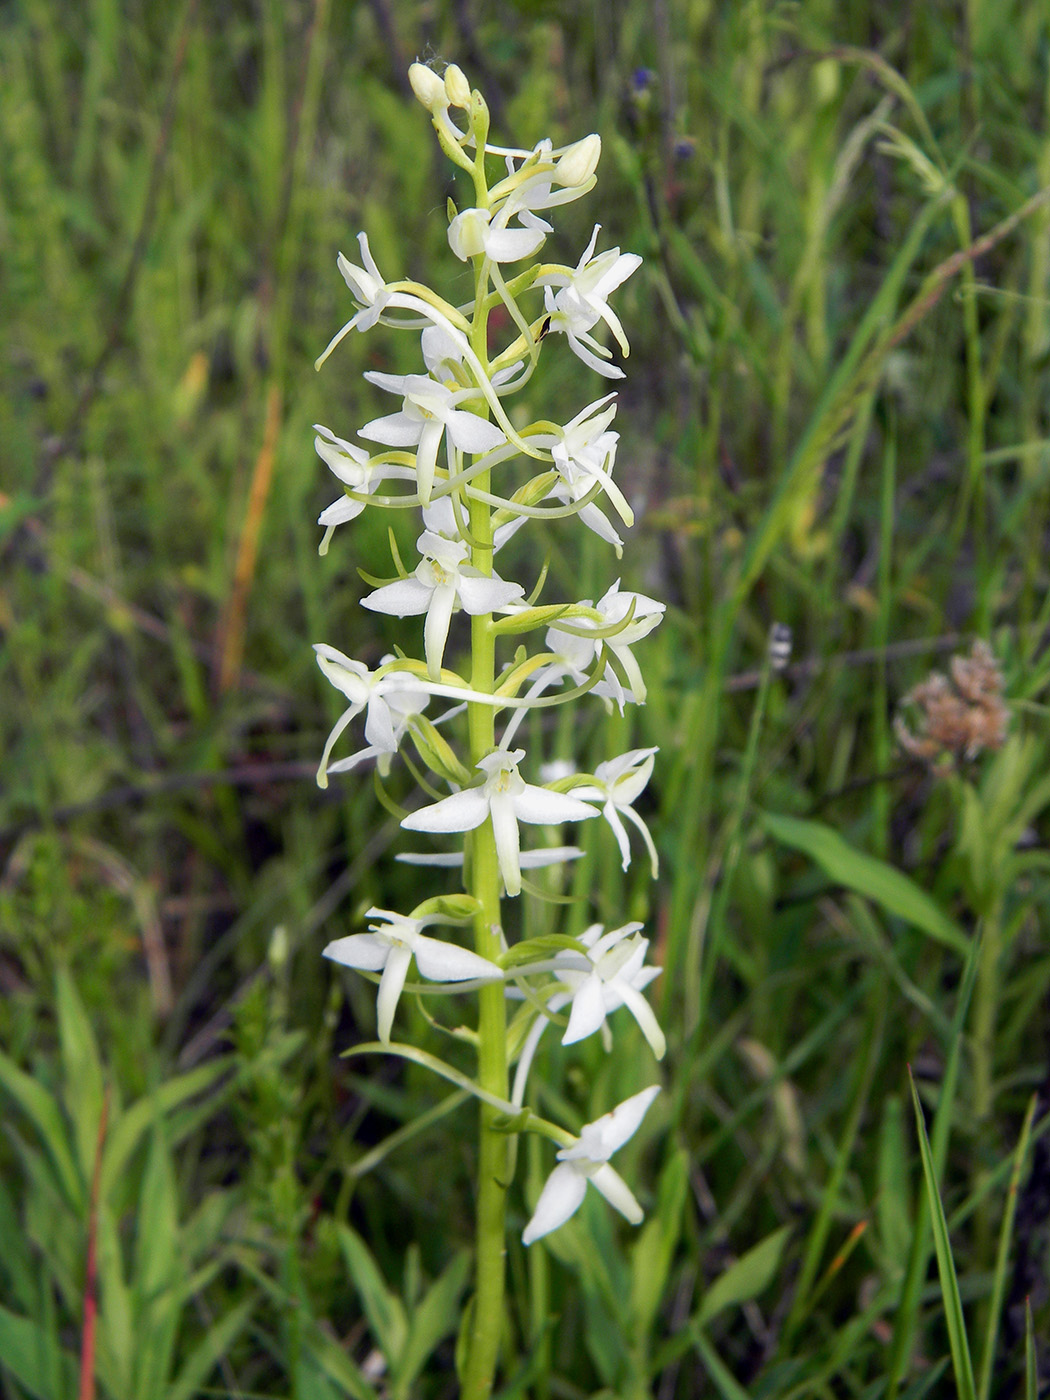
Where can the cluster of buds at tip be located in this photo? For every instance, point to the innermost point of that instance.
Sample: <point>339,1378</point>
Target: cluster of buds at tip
<point>451,455</point>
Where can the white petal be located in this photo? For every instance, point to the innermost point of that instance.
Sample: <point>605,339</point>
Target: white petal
<point>616,1191</point>
<point>588,1011</point>
<point>623,1122</point>
<point>390,985</point>
<point>426,458</point>
<point>463,811</point>
<point>364,951</point>
<point>610,815</point>
<point>435,629</point>
<point>654,859</point>
<point>560,1198</point>
<point>405,597</point>
<point>379,726</point>
<point>471,433</point>
<point>505,830</point>
<point>484,595</point>
<point>512,244</point>
<point>340,512</point>
<point>643,1013</point>
<point>447,962</point>
<point>541,807</point>
<point>395,430</point>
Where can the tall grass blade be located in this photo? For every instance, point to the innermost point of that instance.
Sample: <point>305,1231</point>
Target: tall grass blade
<point>995,1302</point>
<point>953,1312</point>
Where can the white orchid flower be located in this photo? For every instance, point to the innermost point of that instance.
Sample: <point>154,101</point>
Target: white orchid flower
<point>576,652</point>
<point>610,975</point>
<point>475,232</point>
<point>582,302</point>
<point>619,782</point>
<point>584,452</point>
<point>588,1160</point>
<point>367,286</point>
<point>441,580</point>
<point>429,410</point>
<point>391,949</point>
<point>616,977</point>
<point>390,701</point>
<point>507,799</point>
<point>354,468</point>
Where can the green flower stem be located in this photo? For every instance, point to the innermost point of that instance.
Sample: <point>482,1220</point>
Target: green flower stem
<point>486,1327</point>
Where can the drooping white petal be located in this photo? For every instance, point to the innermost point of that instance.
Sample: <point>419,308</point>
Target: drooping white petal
<point>426,457</point>
<point>505,830</point>
<point>379,726</point>
<point>588,1012</point>
<point>390,985</point>
<point>561,1197</point>
<point>435,628</point>
<point>616,1191</point>
<point>645,1016</point>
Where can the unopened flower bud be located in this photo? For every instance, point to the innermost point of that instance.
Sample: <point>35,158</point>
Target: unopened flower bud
<point>466,233</point>
<point>457,89</point>
<point>579,162</point>
<point>427,86</point>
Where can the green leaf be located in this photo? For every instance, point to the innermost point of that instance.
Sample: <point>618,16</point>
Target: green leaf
<point>337,1366</point>
<point>33,1356</point>
<point>157,1224</point>
<point>747,1278</point>
<point>46,1116</point>
<point>382,1307</point>
<point>434,1319</point>
<point>953,1313</point>
<point>202,1361</point>
<point>873,878</point>
<point>82,1070</point>
<point>892,1204</point>
<point>126,1133</point>
<point>726,1384</point>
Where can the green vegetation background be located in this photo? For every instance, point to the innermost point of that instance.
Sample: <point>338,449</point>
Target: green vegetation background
<point>835,418</point>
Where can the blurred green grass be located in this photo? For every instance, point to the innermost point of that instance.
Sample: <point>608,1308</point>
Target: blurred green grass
<point>174,184</point>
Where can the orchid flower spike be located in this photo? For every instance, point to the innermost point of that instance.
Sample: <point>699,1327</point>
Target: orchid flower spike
<point>507,799</point>
<point>588,1160</point>
<point>389,947</point>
